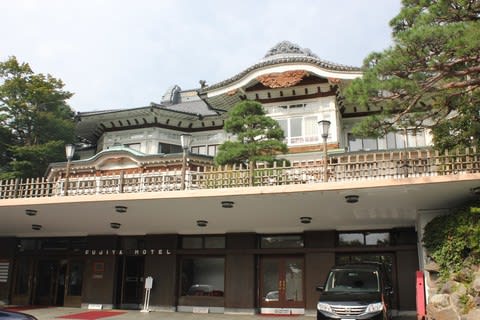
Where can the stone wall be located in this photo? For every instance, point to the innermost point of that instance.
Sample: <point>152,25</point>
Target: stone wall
<point>455,299</point>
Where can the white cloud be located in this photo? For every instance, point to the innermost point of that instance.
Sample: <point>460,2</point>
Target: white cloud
<point>115,54</point>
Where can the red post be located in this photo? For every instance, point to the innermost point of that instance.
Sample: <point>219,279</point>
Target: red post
<point>420,284</point>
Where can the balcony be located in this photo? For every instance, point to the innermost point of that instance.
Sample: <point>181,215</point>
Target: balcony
<point>346,168</point>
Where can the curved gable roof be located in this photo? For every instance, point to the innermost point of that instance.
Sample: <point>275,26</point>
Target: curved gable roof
<point>287,53</point>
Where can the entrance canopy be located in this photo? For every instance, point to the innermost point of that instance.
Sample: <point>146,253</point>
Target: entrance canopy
<point>273,209</point>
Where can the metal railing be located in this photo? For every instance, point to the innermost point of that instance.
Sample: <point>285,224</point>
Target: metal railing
<point>344,167</point>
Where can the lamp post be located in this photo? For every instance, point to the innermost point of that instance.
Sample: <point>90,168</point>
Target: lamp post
<point>325,126</point>
<point>69,151</point>
<point>185,140</point>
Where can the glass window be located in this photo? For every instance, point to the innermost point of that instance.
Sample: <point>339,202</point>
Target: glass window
<point>311,129</point>
<point>363,238</point>
<point>203,276</point>
<point>75,278</point>
<point>376,238</point>
<point>391,140</point>
<point>192,242</point>
<point>351,239</point>
<point>203,242</point>
<point>354,143</point>
<point>370,144</point>
<point>202,150</point>
<point>296,127</point>
<point>421,141</point>
<point>169,148</point>
<point>400,140</point>
<point>290,241</point>
<point>215,242</point>
<point>212,150</point>
<point>284,125</point>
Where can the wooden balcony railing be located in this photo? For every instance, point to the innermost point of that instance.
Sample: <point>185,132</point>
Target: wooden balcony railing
<point>345,167</point>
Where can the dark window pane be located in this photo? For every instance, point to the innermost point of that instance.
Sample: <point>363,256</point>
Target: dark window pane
<point>351,239</point>
<point>292,241</point>
<point>214,242</point>
<point>377,238</point>
<point>75,279</point>
<point>192,242</point>
<point>203,277</point>
<point>21,281</point>
<point>169,148</point>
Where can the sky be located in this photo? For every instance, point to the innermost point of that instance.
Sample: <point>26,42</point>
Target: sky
<point>115,54</point>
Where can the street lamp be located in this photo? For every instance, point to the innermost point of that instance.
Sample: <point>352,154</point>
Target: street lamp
<point>69,151</point>
<point>325,126</point>
<point>185,140</point>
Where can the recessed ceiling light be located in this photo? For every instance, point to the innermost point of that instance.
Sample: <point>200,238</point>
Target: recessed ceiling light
<point>227,204</point>
<point>351,198</point>
<point>202,223</point>
<point>305,220</point>
<point>121,209</point>
<point>115,225</point>
<point>31,212</point>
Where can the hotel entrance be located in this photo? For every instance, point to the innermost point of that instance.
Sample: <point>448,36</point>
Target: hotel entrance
<point>131,277</point>
<point>48,282</point>
<point>281,285</point>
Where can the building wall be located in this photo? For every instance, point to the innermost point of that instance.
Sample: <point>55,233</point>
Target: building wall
<point>7,253</point>
<point>100,273</point>
<point>162,257</point>
<point>163,270</point>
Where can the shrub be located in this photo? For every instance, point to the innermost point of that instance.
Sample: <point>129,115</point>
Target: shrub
<point>453,240</point>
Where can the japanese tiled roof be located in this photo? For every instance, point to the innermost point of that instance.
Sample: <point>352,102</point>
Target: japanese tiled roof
<point>283,53</point>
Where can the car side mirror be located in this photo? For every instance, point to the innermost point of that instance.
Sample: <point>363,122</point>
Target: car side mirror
<point>320,288</point>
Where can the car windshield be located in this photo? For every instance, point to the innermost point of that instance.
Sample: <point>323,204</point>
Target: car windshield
<point>352,281</point>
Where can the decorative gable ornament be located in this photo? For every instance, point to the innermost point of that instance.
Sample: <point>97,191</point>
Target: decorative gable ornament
<point>282,79</point>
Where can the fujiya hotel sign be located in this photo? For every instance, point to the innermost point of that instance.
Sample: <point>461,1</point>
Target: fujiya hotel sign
<point>120,252</point>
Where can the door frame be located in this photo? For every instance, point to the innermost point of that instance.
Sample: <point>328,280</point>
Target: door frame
<point>282,305</point>
<point>73,300</point>
<point>129,304</point>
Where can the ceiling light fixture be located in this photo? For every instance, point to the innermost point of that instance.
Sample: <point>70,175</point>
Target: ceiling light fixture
<point>227,204</point>
<point>353,198</point>
<point>30,212</point>
<point>202,223</point>
<point>115,225</point>
<point>121,209</point>
<point>36,227</point>
<point>305,220</point>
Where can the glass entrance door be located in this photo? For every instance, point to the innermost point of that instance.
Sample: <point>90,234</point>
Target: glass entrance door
<point>73,283</point>
<point>46,277</point>
<point>281,283</point>
<point>133,282</point>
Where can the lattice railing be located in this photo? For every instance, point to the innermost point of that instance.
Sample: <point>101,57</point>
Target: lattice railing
<point>344,167</point>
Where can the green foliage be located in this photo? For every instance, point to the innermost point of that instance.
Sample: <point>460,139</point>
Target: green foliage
<point>453,240</point>
<point>430,76</point>
<point>258,137</point>
<point>35,119</point>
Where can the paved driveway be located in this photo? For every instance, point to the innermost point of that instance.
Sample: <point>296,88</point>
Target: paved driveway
<point>76,313</point>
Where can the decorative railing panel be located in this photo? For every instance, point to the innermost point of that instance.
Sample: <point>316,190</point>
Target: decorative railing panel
<point>344,167</point>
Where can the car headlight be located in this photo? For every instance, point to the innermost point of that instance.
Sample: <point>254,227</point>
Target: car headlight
<point>374,307</point>
<point>324,307</point>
